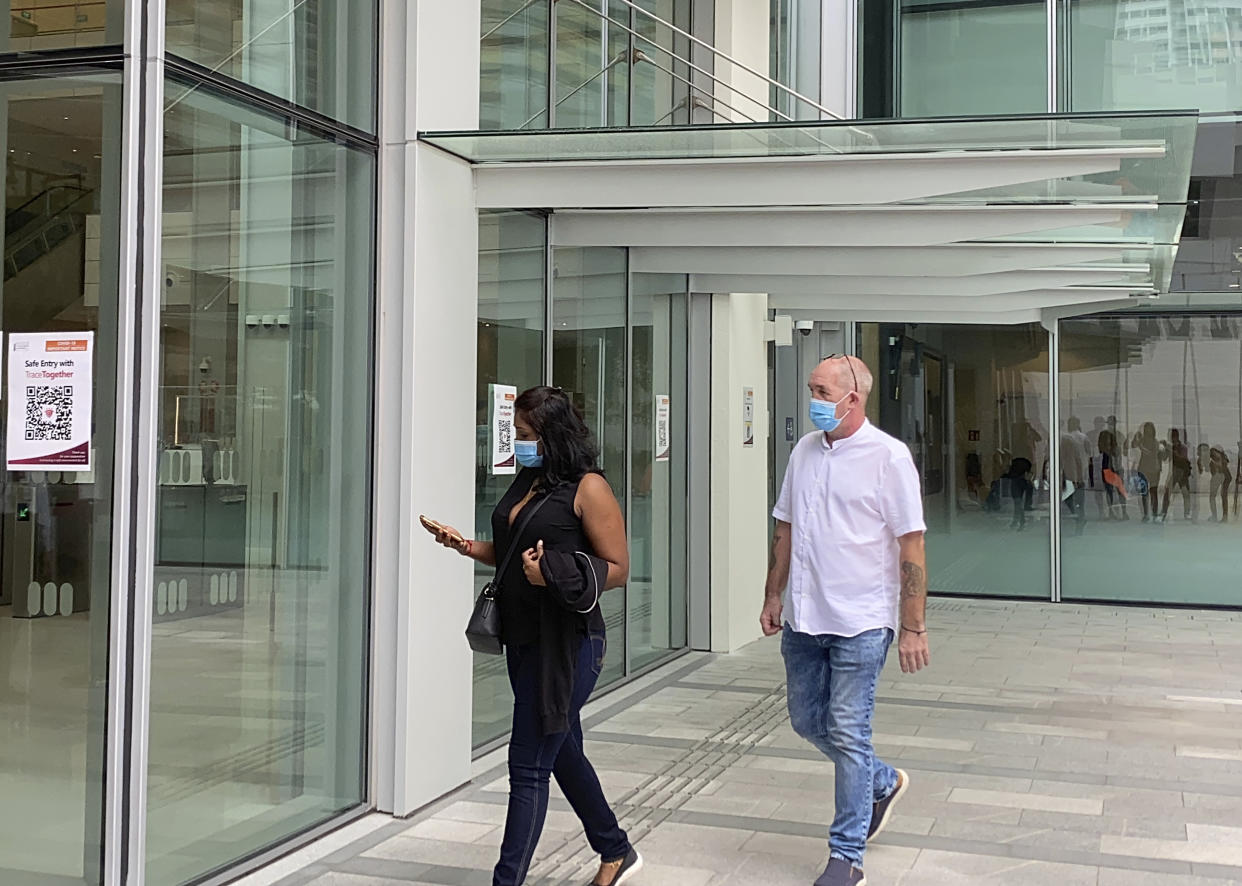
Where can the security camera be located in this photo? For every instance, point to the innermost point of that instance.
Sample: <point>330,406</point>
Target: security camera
<point>804,326</point>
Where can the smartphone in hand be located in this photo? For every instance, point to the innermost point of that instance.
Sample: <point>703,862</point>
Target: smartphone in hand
<point>440,529</point>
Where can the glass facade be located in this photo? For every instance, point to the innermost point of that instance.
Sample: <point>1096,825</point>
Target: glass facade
<point>618,346</point>
<point>973,405</point>
<point>240,561</point>
<point>971,58</point>
<point>264,434</point>
<point>40,25</point>
<point>610,65</point>
<point>1132,54</point>
<point>60,140</point>
<point>319,55</point>
<point>1151,440</point>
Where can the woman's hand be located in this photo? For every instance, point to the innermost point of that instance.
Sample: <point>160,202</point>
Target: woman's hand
<point>530,565</point>
<point>451,538</point>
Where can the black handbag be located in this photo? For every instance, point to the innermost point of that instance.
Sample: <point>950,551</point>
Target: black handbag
<point>483,628</point>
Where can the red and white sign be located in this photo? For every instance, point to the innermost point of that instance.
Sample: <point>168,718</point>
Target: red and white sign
<point>50,394</point>
<point>504,461</point>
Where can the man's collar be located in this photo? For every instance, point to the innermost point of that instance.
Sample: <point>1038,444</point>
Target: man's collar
<point>845,441</point>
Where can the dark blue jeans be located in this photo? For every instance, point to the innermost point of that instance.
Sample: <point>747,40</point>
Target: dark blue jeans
<point>534,756</point>
<point>831,684</point>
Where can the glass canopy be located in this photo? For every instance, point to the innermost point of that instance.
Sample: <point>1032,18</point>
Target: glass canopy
<point>1118,180</point>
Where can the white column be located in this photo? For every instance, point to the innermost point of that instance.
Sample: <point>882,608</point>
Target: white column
<point>739,534</point>
<point>742,33</point>
<point>839,57</point>
<point>425,411</point>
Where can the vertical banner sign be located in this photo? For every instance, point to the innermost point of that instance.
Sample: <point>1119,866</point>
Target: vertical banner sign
<point>748,416</point>
<point>663,445</point>
<point>503,459</point>
<point>50,401</point>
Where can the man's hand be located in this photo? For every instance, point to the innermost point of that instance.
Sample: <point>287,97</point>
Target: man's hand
<point>778,576</point>
<point>913,651</point>
<point>770,618</point>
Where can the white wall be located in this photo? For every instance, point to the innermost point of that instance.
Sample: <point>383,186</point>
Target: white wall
<point>428,280</point>
<point>742,33</point>
<point>739,473</point>
<point>839,57</point>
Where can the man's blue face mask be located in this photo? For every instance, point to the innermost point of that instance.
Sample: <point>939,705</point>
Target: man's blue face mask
<point>527,453</point>
<point>824,415</point>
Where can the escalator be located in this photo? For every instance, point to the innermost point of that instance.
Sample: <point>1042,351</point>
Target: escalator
<point>42,223</point>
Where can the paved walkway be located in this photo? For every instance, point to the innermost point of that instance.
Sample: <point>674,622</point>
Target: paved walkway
<point>1047,744</point>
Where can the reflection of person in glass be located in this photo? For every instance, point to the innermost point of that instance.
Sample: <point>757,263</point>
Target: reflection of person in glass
<point>1150,457</point>
<point>1018,481</point>
<point>1179,474</point>
<point>552,627</point>
<point>1074,461</point>
<point>1113,476</point>
<point>1221,477</point>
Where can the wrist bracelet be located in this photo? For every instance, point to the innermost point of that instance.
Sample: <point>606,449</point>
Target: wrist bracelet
<point>913,631</point>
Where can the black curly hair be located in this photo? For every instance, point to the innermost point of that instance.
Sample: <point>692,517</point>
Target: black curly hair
<point>569,448</point>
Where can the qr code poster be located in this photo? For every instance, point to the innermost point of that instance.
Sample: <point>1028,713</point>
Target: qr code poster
<point>49,406</point>
<point>504,461</point>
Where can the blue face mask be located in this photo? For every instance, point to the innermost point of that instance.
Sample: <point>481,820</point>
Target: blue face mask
<point>527,453</point>
<point>824,415</point>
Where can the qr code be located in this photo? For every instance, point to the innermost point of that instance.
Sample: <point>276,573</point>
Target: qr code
<point>49,412</point>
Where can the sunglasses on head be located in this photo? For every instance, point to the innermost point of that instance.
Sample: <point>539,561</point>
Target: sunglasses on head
<point>849,363</point>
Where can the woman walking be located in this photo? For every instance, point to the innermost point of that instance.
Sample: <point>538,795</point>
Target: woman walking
<point>571,535</point>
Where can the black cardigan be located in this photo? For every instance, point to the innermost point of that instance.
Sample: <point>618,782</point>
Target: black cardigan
<point>569,610</point>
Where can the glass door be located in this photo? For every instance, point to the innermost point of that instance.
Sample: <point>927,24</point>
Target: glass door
<point>59,138</point>
<point>658,463</point>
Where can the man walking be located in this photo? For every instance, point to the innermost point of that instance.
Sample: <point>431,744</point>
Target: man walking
<point>848,560</point>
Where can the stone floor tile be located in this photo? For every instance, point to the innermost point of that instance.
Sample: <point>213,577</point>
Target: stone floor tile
<point>934,867</point>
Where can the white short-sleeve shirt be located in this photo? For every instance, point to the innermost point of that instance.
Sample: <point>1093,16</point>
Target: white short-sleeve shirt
<point>847,502</point>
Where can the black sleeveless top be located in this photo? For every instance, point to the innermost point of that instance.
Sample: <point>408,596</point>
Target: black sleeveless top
<point>557,525</point>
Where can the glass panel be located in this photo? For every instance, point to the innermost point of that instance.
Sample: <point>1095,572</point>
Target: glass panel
<point>258,664</point>
<point>320,55</point>
<point>1132,54</point>
<point>657,91</point>
<point>796,50</point>
<point>592,70</point>
<point>1154,151</point>
<point>36,25</point>
<point>513,88</point>
<point>60,140</point>
<point>658,459</point>
<point>972,403</point>
<point>589,362</point>
<point>512,271</point>
<point>972,58</point>
<point>1213,228</point>
<point>1151,444</point>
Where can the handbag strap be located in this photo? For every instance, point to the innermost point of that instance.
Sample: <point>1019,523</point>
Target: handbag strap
<point>527,513</point>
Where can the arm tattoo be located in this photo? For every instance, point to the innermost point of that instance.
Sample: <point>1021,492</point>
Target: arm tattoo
<point>776,541</point>
<point>913,583</point>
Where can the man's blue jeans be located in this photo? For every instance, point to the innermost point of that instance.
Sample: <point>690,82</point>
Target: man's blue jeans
<point>831,684</point>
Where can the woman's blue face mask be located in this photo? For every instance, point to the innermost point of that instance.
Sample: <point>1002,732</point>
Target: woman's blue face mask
<point>527,453</point>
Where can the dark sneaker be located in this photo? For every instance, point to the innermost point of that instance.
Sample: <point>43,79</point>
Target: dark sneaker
<point>614,873</point>
<point>841,873</point>
<point>882,811</point>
